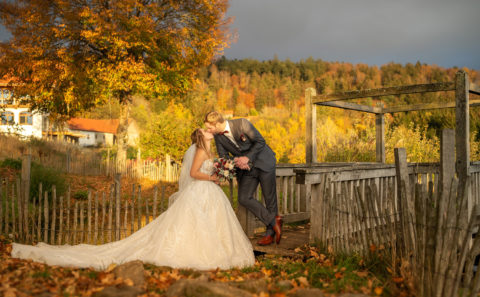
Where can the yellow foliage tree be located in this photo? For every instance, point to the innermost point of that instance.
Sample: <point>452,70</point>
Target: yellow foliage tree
<point>68,56</point>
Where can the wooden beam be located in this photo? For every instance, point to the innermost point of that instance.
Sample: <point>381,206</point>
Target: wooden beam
<point>474,89</point>
<point>425,106</point>
<point>436,87</point>
<point>462,138</point>
<point>462,125</point>
<point>310,127</point>
<point>352,106</point>
<point>380,138</point>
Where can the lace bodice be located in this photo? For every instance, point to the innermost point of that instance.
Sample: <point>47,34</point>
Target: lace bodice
<point>207,166</point>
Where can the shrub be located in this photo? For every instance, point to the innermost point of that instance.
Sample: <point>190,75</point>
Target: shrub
<point>81,195</point>
<point>48,177</point>
<point>12,163</point>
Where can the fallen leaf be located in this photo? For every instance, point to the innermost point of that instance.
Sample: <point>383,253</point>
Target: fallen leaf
<point>397,280</point>
<point>303,281</point>
<point>362,273</point>
<point>10,292</point>
<point>378,291</point>
<point>338,275</point>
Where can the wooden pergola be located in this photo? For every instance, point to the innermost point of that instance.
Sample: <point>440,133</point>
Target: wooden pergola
<point>461,86</point>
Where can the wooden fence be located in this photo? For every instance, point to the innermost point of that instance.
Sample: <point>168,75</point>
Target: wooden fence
<point>103,217</point>
<point>106,217</point>
<point>421,215</point>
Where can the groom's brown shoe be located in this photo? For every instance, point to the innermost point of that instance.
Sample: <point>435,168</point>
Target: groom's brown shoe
<point>266,240</point>
<point>278,229</point>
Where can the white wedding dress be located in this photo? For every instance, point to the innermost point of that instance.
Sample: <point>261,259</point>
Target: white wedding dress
<point>199,230</point>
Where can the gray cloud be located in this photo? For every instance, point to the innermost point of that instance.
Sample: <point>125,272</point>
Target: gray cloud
<point>442,32</point>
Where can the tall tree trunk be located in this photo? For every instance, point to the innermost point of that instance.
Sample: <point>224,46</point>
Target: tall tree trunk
<point>122,135</point>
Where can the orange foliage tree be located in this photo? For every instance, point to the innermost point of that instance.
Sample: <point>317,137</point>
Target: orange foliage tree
<point>69,56</point>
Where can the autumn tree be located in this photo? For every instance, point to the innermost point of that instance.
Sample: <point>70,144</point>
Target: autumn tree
<point>71,55</point>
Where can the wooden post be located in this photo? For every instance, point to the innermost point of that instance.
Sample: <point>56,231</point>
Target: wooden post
<point>310,126</point>
<point>68,233</point>
<point>2,199</point>
<point>139,206</point>
<point>246,218</point>
<point>89,217</point>
<point>155,194</point>
<point>462,134</point>
<point>54,215</point>
<point>110,213</point>
<point>19,209</point>
<point>117,206</point>
<point>82,223</point>
<point>95,226</point>
<point>5,203</point>
<point>26,168</point>
<point>104,201</point>
<point>75,219</point>
<point>39,218</point>
<point>61,222</point>
<point>45,213</point>
<point>407,206</point>
<point>147,214</point>
<point>132,224</point>
<point>380,137</point>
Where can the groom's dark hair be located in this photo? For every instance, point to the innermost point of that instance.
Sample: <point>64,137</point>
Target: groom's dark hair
<point>213,117</point>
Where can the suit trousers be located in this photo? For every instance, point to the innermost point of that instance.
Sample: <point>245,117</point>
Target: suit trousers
<point>248,181</point>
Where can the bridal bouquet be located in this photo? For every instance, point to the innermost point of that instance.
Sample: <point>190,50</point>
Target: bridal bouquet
<point>224,169</point>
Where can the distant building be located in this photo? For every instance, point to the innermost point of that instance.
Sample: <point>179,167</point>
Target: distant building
<point>100,132</point>
<point>16,118</point>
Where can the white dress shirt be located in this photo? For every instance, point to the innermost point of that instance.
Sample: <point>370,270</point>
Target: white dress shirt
<point>230,134</point>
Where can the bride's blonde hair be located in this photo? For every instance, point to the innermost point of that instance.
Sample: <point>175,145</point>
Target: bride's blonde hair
<point>199,140</point>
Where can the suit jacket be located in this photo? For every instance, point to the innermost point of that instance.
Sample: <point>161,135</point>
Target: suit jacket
<point>251,144</point>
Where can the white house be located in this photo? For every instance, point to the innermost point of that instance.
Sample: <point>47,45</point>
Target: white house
<point>100,132</point>
<point>16,118</point>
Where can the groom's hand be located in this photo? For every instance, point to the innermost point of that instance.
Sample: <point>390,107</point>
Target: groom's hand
<point>242,162</point>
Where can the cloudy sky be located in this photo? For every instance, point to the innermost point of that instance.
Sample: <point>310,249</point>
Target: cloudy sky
<point>375,32</point>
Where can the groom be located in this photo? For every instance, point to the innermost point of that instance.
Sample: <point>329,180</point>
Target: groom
<point>256,162</point>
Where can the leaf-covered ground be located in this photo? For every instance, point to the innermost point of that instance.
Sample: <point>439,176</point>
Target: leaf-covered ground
<point>282,276</point>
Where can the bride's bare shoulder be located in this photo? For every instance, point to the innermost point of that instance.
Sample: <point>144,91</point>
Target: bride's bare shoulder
<point>201,154</point>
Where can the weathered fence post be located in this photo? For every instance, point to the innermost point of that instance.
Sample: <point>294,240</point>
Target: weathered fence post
<point>117,204</point>
<point>310,127</point>
<point>26,168</point>
<point>462,132</point>
<point>380,137</point>
<point>405,198</point>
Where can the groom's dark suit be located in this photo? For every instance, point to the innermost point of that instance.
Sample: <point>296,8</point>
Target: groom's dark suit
<point>262,168</point>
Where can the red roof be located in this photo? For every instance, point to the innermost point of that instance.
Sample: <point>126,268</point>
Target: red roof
<point>105,126</point>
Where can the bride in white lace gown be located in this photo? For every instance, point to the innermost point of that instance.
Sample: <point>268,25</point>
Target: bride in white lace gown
<point>199,230</point>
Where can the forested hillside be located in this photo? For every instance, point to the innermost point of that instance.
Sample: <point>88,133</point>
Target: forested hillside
<point>271,94</point>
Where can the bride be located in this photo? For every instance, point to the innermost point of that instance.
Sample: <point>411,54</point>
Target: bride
<point>199,230</point>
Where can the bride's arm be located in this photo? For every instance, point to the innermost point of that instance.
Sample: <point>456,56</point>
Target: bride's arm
<point>200,156</point>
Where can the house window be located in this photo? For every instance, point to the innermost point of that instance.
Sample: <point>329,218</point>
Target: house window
<point>26,118</point>
<point>6,96</point>
<point>7,118</point>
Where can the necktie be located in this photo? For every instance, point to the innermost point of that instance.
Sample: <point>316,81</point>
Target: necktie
<point>222,133</point>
